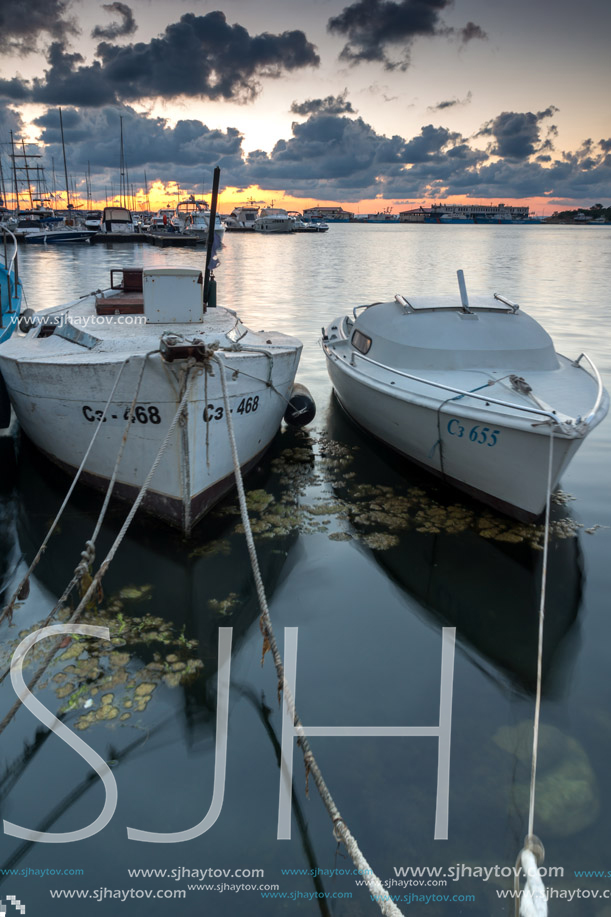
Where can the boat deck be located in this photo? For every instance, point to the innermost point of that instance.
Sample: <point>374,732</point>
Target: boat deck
<point>82,334</point>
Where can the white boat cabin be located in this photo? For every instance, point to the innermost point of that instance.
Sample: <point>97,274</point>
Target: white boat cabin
<point>436,334</point>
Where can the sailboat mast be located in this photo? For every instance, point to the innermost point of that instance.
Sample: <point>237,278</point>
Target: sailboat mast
<point>122,184</point>
<point>4,200</point>
<point>27,174</point>
<point>14,160</point>
<point>61,126</point>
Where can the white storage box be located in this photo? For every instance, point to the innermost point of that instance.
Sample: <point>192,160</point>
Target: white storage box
<point>173,294</point>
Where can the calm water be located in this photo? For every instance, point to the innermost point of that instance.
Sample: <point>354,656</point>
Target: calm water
<point>369,560</point>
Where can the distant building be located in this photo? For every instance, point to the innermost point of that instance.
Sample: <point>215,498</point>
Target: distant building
<point>328,214</point>
<point>465,213</point>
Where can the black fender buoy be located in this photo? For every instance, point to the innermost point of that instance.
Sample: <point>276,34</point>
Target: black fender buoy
<point>26,322</point>
<point>301,408</point>
<point>5,406</point>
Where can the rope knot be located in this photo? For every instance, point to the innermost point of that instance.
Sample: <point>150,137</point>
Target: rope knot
<point>87,559</point>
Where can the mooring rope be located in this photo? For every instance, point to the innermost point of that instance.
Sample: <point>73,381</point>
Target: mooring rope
<point>7,612</point>
<point>128,425</point>
<point>340,828</point>
<point>88,553</point>
<point>533,902</point>
<point>97,578</point>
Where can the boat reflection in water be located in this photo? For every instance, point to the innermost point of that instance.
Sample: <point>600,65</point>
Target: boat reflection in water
<point>487,586</point>
<point>195,586</point>
<point>9,555</point>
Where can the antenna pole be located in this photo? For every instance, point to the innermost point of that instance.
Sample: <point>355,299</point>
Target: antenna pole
<point>210,240</point>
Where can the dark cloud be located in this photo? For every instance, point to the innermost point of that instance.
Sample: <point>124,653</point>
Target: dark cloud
<point>327,157</point>
<point>451,103</point>
<point>374,26</point>
<point>15,89</point>
<point>429,143</point>
<point>199,57</point>
<point>68,81</point>
<point>204,56</point>
<point>334,158</point>
<point>186,153</point>
<point>571,177</point>
<point>10,120</point>
<point>331,105</point>
<point>127,25</point>
<point>471,31</point>
<point>517,135</point>
<point>23,21</point>
<point>338,158</point>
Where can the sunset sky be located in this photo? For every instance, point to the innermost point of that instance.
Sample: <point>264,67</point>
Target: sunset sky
<point>368,104</point>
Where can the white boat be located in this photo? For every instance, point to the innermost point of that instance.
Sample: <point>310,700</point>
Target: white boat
<point>242,218</point>
<point>187,207</point>
<point>27,224</point>
<point>473,392</point>
<point>273,220</point>
<point>297,220</point>
<point>150,335</point>
<point>302,225</point>
<point>164,220</point>
<point>315,226</point>
<point>93,220</point>
<point>197,223</point>
<point>117,219</point>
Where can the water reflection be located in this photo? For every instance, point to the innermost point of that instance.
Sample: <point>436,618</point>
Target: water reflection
<point>365,654</point>
<point>9,555</point>
<point>196,585</point>
<point>487,586</point>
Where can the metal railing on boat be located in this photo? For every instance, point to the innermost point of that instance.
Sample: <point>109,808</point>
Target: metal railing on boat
<point>599,395</point>
<point>561,421</point>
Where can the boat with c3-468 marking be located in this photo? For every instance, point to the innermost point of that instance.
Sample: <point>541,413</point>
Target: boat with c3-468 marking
<point>148,341</point>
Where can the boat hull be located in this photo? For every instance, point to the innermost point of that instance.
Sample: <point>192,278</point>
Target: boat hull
<point>269,227</point>
<point>59,237</point>
<point>501,463</point>
<point>59,406</point>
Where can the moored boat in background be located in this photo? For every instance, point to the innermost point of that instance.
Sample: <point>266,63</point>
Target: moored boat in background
<point>164,220</point>
<point>117,219</point>
<point>242,218</point>
<point>274,220</point>
<point>197,223</point>
<point>59,234</point>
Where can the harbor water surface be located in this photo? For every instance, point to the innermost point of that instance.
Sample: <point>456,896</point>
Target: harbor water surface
<point>369,559</point>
